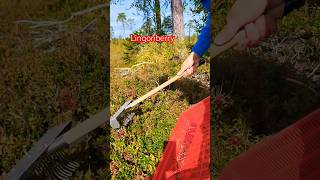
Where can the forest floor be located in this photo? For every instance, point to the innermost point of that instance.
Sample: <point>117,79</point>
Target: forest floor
<point>265,89</point>
<point>137,149</point>
<point>51,74</point>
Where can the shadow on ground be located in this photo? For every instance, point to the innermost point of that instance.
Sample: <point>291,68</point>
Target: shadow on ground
<point>263,93</point>
<point>192,90</point>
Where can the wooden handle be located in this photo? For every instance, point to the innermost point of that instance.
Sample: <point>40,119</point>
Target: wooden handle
<point>155,90</point>
<point>218,49</point>
<point>163,85</point>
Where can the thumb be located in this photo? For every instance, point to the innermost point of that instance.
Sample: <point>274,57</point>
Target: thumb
<point>238,16</point>
<point>182,70</point>
<point>226,34</point>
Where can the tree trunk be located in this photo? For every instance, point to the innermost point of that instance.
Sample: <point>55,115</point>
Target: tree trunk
<point>124,29</point>
<point>177,18</point>
<point>157,16</point>
<point>189,34</point>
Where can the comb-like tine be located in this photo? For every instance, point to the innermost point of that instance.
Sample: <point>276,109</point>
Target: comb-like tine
<point>55,166</point>
<point>44,164</point>
<point>59,175</point>
<point>70,168</point>
<point>60,155</point>
<point>73,164</point>
<point>37,171</point>
<point>49,175</point>
<point>65,172</point>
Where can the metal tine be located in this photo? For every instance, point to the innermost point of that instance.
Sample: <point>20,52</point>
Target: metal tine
<point>75,163</point>
<point>59,175</point>
<point>69,167</point>
<point>66,167</point>
<point>61,155</point>
<point>65,171</point>
<point>56,166</point>
<point>63,174</point>
<point>44,165</point>
<point>37,171</point>
<point>50,175</point>
<point>47,171</point>
<point>128,119</point>
<point>68,161</point>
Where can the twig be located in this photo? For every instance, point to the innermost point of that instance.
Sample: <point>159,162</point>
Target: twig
<point>37,24</point>
<point>122,69</point>
<point>46,36</point>
<point>125,71</point>
<point>89,25</point>
<point>314,71</point>
<point>139,64</point>
<point>303,84</point>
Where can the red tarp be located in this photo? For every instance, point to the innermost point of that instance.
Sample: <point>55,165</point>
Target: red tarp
<point>291,154</point>
<point>187,153</point>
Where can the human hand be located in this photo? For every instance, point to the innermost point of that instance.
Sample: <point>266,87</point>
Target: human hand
<point>258,18</point>
<point>189,65</point>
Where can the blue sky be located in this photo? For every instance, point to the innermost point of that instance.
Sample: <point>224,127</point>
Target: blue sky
<point>124,6</point>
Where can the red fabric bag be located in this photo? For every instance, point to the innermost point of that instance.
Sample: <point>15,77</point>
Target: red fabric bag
<point>291,154</point>
<point>187,153</point>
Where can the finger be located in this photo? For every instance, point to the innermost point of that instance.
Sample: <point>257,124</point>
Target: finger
<point>261,25</point>
<point>186,73</point>
<point>271,25</point>
<point>241,46</point>
<point>189,71</point>
<point>226,34</point>
<point>182,70</point>
<point>241,15</point>
<point>252,34</point>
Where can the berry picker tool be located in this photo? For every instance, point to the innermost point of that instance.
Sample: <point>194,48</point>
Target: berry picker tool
<point>114,123</point>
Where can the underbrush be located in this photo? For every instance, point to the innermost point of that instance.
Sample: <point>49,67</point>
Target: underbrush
<point>39,88</point>
<point>137,149</point>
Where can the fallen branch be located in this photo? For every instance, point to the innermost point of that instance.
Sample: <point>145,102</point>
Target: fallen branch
<point>37,24</point>
<point>125,71</point>
<point>48,35</point>
<point>136,65</point>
